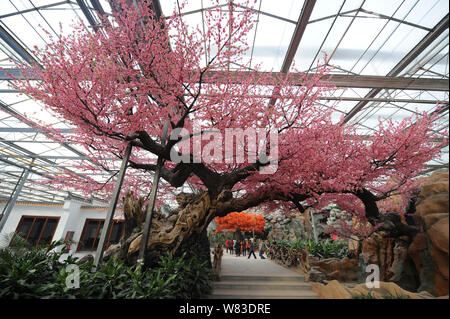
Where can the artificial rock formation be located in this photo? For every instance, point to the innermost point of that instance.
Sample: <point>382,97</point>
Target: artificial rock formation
<point>391,256</point>
<point>429,249</point>
<point>353,246</point>
<point>418,262</point>
<point>279,227</point>
<point>336,290</point>
<point>343,270</point>
<point>318,270</point>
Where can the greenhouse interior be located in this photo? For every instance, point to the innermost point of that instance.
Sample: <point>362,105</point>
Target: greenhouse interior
<point>224,149</point>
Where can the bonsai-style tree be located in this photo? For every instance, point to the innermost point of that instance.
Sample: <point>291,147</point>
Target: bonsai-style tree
<point>121,84</point>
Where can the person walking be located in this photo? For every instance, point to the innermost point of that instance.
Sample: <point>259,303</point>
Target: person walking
<point>217,261</point>
<point>245,247</point>
<point>238,248</point>
<point>229,244</point>
<point>252,248</point>
<point>262,248</point>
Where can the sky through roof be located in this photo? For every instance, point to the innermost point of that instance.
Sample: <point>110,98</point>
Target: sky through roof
<point>365,40</point>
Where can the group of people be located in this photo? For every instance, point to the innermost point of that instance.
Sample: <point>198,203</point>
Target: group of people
<point>244,247</point>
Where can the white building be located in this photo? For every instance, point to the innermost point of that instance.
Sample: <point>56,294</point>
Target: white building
<point>75,221</point>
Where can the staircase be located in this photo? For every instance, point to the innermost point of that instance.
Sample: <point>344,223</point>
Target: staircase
<point>248,286</point>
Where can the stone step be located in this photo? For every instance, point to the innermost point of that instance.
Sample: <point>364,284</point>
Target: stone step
<point>246,277</point>
<point>261,294</point>
<point>261,285</point>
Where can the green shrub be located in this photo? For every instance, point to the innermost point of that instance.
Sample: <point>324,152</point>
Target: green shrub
<point>368,296</point>
<point>388,296</point>
<point>219,238</point>
<point>284,242</point>
<point>30,272</point>
<point>329,249</point>
<point>322,249</point>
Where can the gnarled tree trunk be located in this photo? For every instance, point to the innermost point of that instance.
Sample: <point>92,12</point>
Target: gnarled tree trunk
<point>184,230</point>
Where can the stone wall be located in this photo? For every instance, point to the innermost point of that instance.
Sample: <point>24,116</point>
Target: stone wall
<point>315,269</point>
<point>343,270</point>
<point>279,227</point>
<point>391,255</point>
<point>419,263</point>
<point>387,290</point>
<point>429,249</point>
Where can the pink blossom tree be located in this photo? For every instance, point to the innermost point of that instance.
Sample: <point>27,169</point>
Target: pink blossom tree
<point>121,85</point>
<point>367,177</point>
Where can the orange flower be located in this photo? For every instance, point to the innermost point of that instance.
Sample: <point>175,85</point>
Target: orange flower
<point>245,222</point>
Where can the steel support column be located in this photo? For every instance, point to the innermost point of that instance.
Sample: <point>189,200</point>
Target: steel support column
<point>14,197</point>
<point>151,205</point>
<point>303,19</point>
<point>152,200</point>
<point>16,46</point>
<point>418,49</point>
<point>338,80</point>
<point>112,208</point>
<point>87,13</point>
<point>13,192</point>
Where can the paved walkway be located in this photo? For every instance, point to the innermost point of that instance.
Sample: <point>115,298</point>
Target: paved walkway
<point>243,278</point>
<point>232,265</point>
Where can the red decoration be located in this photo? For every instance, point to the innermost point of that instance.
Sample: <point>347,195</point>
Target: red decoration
<point>243,221</point>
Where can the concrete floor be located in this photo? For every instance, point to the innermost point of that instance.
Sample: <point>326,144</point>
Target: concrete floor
<point>232,265</point>
<point>244,278</point>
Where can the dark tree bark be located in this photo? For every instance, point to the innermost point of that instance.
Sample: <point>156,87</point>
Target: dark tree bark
<point>370,204</point>
<point>184,230</point>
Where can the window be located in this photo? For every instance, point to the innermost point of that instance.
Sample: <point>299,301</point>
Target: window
<point>92,231</point>
<point>37,230</point>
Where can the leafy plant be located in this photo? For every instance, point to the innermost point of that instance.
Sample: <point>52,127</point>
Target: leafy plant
<point>329,249</point>
<point>388,296</point>
<point>216,238</point>
<point>368,296</point>
<point>30,272</point>
<point>322,248</point>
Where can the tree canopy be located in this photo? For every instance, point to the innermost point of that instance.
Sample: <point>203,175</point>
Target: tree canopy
<point>120,86</point>
<point>244,221</point>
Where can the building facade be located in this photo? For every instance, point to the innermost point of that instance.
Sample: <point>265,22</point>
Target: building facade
<point>73,221</point>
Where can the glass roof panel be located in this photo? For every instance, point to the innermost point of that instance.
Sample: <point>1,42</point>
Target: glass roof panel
<point>358,37</point>
<point>271,43</point>
<point>425,13</point>
<point>308,48</point>
<point>324,8</point>
<point>398,45</point>
<point>385,7</point>
<point>369,41</point>
<point>290,9</point>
